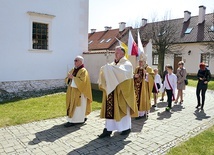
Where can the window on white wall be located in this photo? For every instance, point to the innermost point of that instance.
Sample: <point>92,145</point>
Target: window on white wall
<point>40,36</point>
<point>40,31</point>
<point>205,57</point>
<point>155,59</point>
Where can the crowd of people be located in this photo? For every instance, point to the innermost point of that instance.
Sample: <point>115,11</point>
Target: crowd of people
<point>127,92</point>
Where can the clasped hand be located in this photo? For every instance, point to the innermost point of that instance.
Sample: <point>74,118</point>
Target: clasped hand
<point>70,76</point>
<point>136,75</point>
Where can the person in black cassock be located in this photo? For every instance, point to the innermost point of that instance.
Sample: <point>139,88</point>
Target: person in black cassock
<point>204,77</point>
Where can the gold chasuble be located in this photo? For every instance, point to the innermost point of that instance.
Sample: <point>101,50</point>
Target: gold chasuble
<point>73,95</point>
<point>116,82</point>
<point>143,87</point>
<point>150,78</point>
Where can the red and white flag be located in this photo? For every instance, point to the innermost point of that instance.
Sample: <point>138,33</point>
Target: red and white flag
<point>140,45</point>
<point>132,46</point>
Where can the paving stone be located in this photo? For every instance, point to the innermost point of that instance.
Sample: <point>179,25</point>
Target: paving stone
<point>141,152</point>
<point>155,135</point>
<point>136,148</point>
<point>1,150</point>
<point>9,149</point>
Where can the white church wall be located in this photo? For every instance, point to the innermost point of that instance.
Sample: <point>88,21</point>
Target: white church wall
<point>67,37</point>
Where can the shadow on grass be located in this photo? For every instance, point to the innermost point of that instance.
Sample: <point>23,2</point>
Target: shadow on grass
<point>54,133</point>
<point>14,97</point>
<point>97,95</point>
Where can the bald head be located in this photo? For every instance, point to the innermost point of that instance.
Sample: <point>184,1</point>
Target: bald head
<point>119,53</point>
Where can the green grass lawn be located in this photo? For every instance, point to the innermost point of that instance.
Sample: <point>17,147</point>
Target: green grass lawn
<point>49,106</point>
<point>202,144</point>
<point>39,108</point>
<point>193,82</point>
<point>52,106</point>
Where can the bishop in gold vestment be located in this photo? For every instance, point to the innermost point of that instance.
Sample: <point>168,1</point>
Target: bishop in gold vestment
<point>118,103</point>
<point>78,95</point>
<point>144,82</point>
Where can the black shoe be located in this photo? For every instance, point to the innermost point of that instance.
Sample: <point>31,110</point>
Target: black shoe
<point>154,106</point>
<point>105,133</point>
<point>137,118</point>
<point>202,106</point>
<point>161,99</point>
<point>146,115</point>
<point>198,106</point>
<point>68,124</point>
<point>125,132</point>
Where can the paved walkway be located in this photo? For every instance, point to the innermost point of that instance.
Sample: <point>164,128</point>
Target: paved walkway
<point>155,135</point>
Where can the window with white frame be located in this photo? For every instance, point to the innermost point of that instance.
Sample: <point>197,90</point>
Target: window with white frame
<point>102,40</point>
<point>211,28</point>
<point>40,36</point>
<point>205,57</point>
<point>40,31</point>
<point>108,40</point>
<point>90,41</point>
<point>188,30</point>
<point>162,33</point>
<point>155,59</point>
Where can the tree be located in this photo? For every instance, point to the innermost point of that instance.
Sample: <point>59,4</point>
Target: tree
<point>173,37</point>
<point>164,34</point>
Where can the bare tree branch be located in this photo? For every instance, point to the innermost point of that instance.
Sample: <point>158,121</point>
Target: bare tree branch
<point>163,35</point>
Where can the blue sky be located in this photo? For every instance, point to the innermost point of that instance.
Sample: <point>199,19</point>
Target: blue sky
<point>110,12</point>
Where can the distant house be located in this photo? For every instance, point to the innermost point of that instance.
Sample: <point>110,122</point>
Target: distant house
<point>192,34</point>
<point>101,47</point>
<point>106,40</point>
<point>39,40</point>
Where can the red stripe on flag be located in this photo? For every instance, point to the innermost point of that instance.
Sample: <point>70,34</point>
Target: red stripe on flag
<point>134,49</point>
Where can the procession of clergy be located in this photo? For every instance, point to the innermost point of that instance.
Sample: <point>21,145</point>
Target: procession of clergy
<point>125,94</point>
